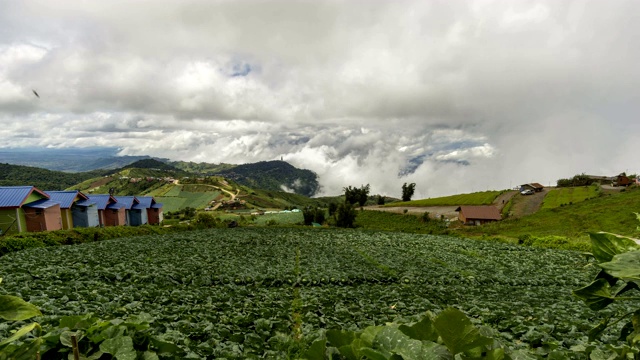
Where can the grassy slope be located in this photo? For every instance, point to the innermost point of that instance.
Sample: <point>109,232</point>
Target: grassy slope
<point>611,213</point>
<point>477,198</point>
<point>571,195</point>
<point>380,220</point>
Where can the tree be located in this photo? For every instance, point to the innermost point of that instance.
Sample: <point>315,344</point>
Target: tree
<point>354,195</point>
<point>319,216</point>
<point>332,208</point>
<point>308,214</point>
<point>380,200</point>
<point>345,215</point>
<point>407,191</point>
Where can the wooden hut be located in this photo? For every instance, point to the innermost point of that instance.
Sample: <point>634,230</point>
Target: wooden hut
<point>478,215</point>
<point>13,210</point>
<point>76,209</point>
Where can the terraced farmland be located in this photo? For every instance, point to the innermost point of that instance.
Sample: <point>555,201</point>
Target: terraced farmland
<point>241,293</point>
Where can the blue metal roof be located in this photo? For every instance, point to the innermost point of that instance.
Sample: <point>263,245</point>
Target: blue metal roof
<point>14,196</point>
<point>127,201</point>
<point>156,206</point>
<point>116,206</point>
<point>139,207</point>
<point>146,201</point>
<point>85,203</point>
<point>102,200</point>
<point>42,204</point>
<point>64,198</point>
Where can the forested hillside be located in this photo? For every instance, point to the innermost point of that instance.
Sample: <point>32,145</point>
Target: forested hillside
<point>274,175</point>
<point>18,175</point>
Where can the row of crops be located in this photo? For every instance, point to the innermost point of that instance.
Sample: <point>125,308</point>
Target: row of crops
<point>238,293</point>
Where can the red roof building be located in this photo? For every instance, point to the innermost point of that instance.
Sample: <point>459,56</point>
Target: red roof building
<point>478,215</point>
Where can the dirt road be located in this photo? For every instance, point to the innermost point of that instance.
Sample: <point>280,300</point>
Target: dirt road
<point>449,212</point>
<point>527,204</point>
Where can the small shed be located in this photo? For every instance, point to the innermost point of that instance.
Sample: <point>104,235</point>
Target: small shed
<point>153,208</point>
<point>478,215</point>
<point>76,208</point>
<point>13,219</point>
<point>103,201</point>
<point>622,180</point>
<point>115,215</point>
<point>43,215</point>
<point>133,216</point>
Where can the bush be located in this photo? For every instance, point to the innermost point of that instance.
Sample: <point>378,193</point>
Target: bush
<point>345,215</point>
<point>319,216</point>
<point>16,244</point>
<point>308,214</point>
<point>204,220</point>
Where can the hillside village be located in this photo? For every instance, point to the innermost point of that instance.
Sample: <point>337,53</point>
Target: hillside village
<point>207,238</point>
<point>142,193</point>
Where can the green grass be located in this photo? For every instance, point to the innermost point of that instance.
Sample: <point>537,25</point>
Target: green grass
<point>177,198</point>
<point>611,213</point>
<point>477,198</point>
<point>174,191</point>
<point>570,195</point>
<point>382,220</point>
<point>280,219</point>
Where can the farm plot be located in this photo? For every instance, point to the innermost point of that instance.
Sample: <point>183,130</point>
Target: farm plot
<point>240,293</point>
<point>570,195</point>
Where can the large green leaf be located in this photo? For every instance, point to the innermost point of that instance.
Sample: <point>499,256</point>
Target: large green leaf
<point>596,295</point>
<point>339,338</point>
<point>164,347</point>
<point>316,350</point>
<point>598,329</point>
<point>374,354</point>
<point>422,330</point>
<point>457,331</point>
<point>16,309</point>
<point>369,334</point>
<point>26,351</point>
<point>606,245</point>
<point>120,347</point>
<point>149,355</point>
<point>624,266</point>
<point>18,334</point>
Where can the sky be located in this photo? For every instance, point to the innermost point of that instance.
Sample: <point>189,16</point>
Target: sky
<point>455,96</point>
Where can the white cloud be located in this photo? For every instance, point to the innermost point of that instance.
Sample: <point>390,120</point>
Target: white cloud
<point>517,91</point>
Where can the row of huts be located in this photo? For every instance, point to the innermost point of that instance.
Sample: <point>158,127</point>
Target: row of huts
<point>29,209</point>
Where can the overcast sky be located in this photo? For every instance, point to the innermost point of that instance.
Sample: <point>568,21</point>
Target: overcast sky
<point>456,96</point>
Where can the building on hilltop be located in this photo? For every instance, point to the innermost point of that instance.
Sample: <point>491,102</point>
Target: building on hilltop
<point>532,186</point>
<point>478,215</point>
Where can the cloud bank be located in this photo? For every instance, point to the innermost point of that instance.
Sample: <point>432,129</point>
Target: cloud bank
<point>456,96</point>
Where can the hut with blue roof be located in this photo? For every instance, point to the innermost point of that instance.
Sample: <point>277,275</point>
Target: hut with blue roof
<point>76,209</point>
<point>110,212</point>
<point>133,216</point>
<point>27,208</point>
<point>152,208</point>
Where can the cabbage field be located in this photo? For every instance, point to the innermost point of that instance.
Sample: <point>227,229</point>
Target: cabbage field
<point>249,292</point>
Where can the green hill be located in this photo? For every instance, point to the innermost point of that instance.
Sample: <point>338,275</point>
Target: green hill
<point>152,164</point>
<point>609,212</point>
<point>18,175</point>
<point>268,175</point>
<point>477,198</point>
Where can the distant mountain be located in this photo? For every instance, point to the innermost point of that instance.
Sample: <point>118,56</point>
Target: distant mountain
<point>268,175</point>
<point>68,159</point>
<point>274,175</point>
<point>43,179</point>
<point>152,164</point>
